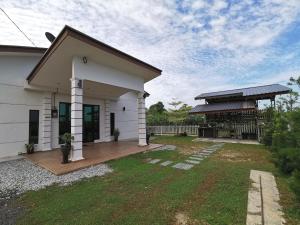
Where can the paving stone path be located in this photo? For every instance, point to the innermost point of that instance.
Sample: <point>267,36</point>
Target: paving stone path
<point>263,200</point>
<point>191,161</point>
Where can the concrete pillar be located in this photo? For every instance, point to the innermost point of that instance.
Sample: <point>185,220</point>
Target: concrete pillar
<point>46,123</point>
<point>142,119</point>
<point>107,136</point>
<point>76,119</point>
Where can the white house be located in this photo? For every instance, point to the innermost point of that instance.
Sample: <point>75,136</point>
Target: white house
<point>78,85</point>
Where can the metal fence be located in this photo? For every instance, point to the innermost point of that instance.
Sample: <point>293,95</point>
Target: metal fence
<point>239,128</point>
<point>174,129</point>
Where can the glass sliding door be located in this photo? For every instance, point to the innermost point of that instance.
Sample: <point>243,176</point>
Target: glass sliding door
<point>90,125</point>
<point>64,119</point>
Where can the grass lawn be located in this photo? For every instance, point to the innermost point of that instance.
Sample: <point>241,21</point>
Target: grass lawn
<point>213,192</point>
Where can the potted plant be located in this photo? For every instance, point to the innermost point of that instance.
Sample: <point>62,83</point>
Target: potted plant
<point>66,147</point>
<point>29,148</point>
<point>148,138</point>
<point>116,134</point>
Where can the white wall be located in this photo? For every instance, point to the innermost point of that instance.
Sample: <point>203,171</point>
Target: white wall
<point>15,103</point>
<point>126,121</point>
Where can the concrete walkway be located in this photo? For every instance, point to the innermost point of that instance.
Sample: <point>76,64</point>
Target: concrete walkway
<point>263,200</point>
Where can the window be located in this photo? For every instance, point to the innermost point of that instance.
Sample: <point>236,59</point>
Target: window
<point>112,124</point>
<point>33,126</point>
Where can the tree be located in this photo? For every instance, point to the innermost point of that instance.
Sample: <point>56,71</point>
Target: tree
<point>176,115</point>
<point>294,81</point>
<point>157,108</point>
<point>292,98</point>
<point>157,114</point>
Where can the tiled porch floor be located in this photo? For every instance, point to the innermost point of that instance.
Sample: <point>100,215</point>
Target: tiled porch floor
<point>93,153</point>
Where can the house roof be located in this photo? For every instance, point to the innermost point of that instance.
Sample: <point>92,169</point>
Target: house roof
<point>273,89</point>
<point>224,106</point>
<point>22,49</point>
<point>69,31</point>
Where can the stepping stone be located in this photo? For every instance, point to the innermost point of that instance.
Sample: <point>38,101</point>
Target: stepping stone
<point>192,161</point>
<point>207,151</point>
<point>196,158</point>
<point>199,156</point>
<point>148,159</point>
<point>203,153</point>
<point>154,161</point>
<point>166,163</point>
<point>183,166</point>
<point>166,148</point>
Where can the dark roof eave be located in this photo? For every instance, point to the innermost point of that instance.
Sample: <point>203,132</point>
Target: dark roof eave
<point>22,49</point>
<point>67,30</point>
<point>257,96</point>
<point>222,111</point>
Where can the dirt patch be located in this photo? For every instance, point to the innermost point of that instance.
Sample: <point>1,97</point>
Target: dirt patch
<point>233,156</point>
<point>183,219</point>
<point>190,150</point>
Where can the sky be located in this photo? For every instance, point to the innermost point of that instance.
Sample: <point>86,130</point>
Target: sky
<point>201,45</point>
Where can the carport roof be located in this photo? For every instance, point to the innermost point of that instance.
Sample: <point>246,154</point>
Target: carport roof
<point>68,31</point>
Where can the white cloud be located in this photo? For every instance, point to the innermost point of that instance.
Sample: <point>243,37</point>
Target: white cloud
<point>200,45</point>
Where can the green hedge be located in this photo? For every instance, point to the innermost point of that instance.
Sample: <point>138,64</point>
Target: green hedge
<point>282,135</point>
<point>295,183</point>
<point>287,160</point>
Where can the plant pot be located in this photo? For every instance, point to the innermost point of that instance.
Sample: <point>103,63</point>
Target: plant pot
<point>30,150</point>
<point>65,149</point>
<point>147,139</point>
<point>116,138</point>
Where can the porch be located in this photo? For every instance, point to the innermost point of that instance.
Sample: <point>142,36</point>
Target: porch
<point>93,154</point>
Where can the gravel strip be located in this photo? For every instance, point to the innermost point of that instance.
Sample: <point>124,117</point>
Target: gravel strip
<point>19,176</point>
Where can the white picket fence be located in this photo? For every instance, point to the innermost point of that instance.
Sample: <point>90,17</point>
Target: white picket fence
<point>173,129</point>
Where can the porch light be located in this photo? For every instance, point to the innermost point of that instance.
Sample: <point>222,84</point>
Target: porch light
<point>54,113</point>
<point>124,108</point>
<point>84,59</point>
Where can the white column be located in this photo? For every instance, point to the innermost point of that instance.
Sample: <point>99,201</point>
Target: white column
<point>107,136</point>
<point>142,119</point>
<point>46,123</point>
<point>76,120</point>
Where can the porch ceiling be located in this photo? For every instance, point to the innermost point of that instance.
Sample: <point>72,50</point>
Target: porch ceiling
<point>100,90</point>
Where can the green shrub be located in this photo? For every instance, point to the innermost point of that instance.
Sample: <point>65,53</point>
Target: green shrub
<point>287,159</point>
<point>267,136</point>
<point>295,183</point>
